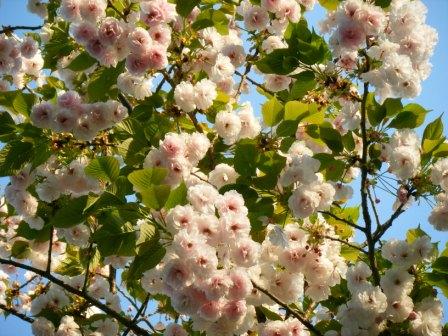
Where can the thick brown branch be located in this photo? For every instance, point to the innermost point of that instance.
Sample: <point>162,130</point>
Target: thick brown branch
<point>289,311</point>
<point>120,318</point>
<point>14,312</point>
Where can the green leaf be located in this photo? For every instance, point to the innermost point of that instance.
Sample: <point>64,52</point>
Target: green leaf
<point>105,168</point>
<point>246,157</point>
<point>392,106</point>
<point>441,265</point>
<point>413,234</point>
<point>184,8</point>
<point>434,130</point>
<point>70,214</point>
<point>272,112</point>
<point>177,196</point>
<point>329,5</point>
<point>150,255</point>
<point>331,137</point>
<point>20,249</point>
<point>82,62</point>
<point>156,196</point>
<point>375,112</point>
<point>145,178</point>
<point>412,116</point>
<point>287,128</point>
<point>350,253</point>
<point>13,156</point>
<point>279,61</point>
<point>21,105</point>
<point>148,232</point>
<point>305,81</point>
<point>383,3</point>
<point>7,127</point>
<point>101,82</point>
<point>295,109</point>
<point>106,201</point>
<point>270,315</point>
<point>439,280</point>
<point>212,18</point>
<point>115,239</point>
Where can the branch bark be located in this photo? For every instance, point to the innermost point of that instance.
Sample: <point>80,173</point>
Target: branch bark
<point>137,315</point>
<point>289,311</point>
<point>14,312</point>
<point>120,318</point>
<point>10,29</point>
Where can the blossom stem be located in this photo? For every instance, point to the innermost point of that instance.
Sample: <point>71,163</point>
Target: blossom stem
<point>288,310</point>
<point>123,320</point>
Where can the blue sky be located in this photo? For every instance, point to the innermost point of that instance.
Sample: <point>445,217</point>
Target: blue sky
<point>433,97</point>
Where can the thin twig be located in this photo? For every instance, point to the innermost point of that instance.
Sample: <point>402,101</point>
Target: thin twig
<point>349,223</point>
<point>381,230</point>
<point>137,315</point>
<point>373,205</point>
<point>254,82</point>
<point>345,242</point>
<point>50,250</point>
<point>86,277</point>
<point>16,313</point>
<point>125,102</point>
<point>244,75</point>
<point>288,310</point>
<point>123,320</point>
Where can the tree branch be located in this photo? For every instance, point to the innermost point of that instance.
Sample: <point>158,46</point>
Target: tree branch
<point>123,320</point>
<point>349,223</point>
<point>14,312</point>
<point>50,250</point>
<point>289,311</point>
<point>375,212</point>
<point>137,315</point>
<point>381,230</point>
<point>10,29</point>
<point>365,185</point>
<point>359,248</point>
<point>125,102</point>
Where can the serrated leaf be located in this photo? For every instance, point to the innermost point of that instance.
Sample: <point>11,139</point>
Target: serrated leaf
<point>70,214</point>
<point>156,196</point>
<point>295,109</point>
<point>184,8</point>
<point>272,111</point>
<point>331,137</point>
<point>105,168</point>
<point>101,82</point>
<point>177,196</point>
<point>413,115</point>
<point>143,179</point>
<point>82,62</point>
<point>434,130</point>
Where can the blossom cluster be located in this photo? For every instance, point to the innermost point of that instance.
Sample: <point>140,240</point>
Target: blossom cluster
<point>439,214</point>
<point>234,127</point>
<point>19,57</point>
<point>399,39</point>
<point>179,154</point>
<point>55,181</point>
<point>402,153</point>
<point>70,114</point>
<point>370,307</point>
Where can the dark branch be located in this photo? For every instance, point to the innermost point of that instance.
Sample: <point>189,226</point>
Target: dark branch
<point>288,310</point>
<point>123,320</point>
<point>10,29</point>
<point>381,230</point>
<point>349,223</point>
<point>14,312</point>
<point>359,248</point>
<point>137,315</point>
<point>125,102</point>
